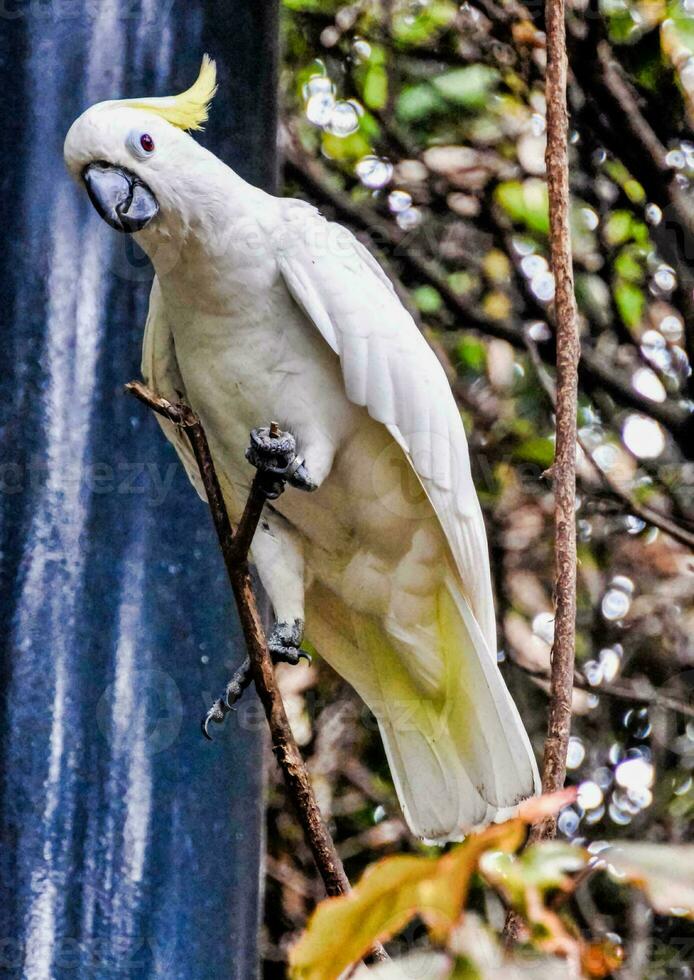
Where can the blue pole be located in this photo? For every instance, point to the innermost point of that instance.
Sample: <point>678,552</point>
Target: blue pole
<point>129,846</point>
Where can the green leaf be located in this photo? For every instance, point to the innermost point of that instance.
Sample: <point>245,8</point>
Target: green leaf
<point>511,198</point>
<point>525,203</point>
<point>463,282</point>
<point>418,28</point>
<point>416,102</point>
<point>428,299</point>
<point>620,175</point>
<point>630,302</point>
<point>526,879</point>
<point>617,228</point>
<point>683,23</point>
<point>538,449</point>
<point>315,6</point>
<point>468,87</point>
<point>350,148</point>
<point>546,865</point>
<point>627,265</point>
<point>368,125</point>
<point>472,355</point>
<point>634,191</point>
<point>345,148</point>
<point>375,90</point>
<point>622,27</point>
<point>639,230</point>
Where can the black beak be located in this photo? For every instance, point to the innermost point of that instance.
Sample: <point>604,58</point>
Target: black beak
<point>121,198</point>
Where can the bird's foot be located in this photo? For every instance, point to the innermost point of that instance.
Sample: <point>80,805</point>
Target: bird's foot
<point>273,453</point>
<point>283,643</point>
<point>240,680</point>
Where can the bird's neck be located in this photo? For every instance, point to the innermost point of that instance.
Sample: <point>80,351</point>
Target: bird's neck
<point>216,229</point>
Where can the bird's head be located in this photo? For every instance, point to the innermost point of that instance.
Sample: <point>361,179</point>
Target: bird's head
<point>133,155</point>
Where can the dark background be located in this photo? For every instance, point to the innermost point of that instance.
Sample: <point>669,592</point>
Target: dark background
<point>130,847</point>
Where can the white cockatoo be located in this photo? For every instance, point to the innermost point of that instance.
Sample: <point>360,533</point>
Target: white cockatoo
<point>261,309</point>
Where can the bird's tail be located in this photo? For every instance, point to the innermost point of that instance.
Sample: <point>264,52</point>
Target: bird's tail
<point>458,751</point>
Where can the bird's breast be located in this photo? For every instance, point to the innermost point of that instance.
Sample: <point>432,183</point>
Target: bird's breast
<point>258,361</point>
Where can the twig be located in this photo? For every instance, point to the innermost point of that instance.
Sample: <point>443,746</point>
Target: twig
<point>234,546</point>
<point>564,466</point>
<point>640,692</point>
<point>647,514</point>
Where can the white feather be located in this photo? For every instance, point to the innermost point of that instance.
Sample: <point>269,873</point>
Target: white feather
<point>389,368</point>
<point>467,758</point>
<point>161,372</point>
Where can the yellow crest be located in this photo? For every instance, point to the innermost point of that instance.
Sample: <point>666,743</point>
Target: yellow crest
<point>189,109</point>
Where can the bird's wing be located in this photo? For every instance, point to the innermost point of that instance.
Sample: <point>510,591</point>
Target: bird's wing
<point>389,368</point>
<point>160,371</point>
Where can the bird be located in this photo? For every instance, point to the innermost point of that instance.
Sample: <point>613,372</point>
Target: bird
<point>263,309</point>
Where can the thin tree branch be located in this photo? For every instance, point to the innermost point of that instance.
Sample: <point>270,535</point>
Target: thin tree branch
<point>568,352</point>
<point>647,514</point>
<point>638,691</point>
<point>613,490</point>
<point>564,466</point>
<point>234,546</point>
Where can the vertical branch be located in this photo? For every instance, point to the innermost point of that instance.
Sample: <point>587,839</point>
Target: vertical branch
<point>564,468</point>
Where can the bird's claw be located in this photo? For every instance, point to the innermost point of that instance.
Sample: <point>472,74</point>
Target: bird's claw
<point>283,644</point>
<point>288,655</point>
<point>234,689</point>
<point>215,714</point>
<point>273,453</point>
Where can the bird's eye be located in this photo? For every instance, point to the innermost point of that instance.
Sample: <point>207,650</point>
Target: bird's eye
<point>140,144</point>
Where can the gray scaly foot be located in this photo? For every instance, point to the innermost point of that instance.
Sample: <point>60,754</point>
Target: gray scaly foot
<point>283,643</point>
<point>273,453</point>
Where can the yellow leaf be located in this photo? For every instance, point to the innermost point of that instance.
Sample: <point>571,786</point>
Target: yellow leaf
<point>443,895</point>
<point>496,266</point>
<point>497,305</point>
<point>341,930</point>
<point>395,890</point>
<point>390,893</point>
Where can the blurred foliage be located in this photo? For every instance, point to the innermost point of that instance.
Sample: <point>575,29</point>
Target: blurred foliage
<point>535,884</point>
<point>421,124</point>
